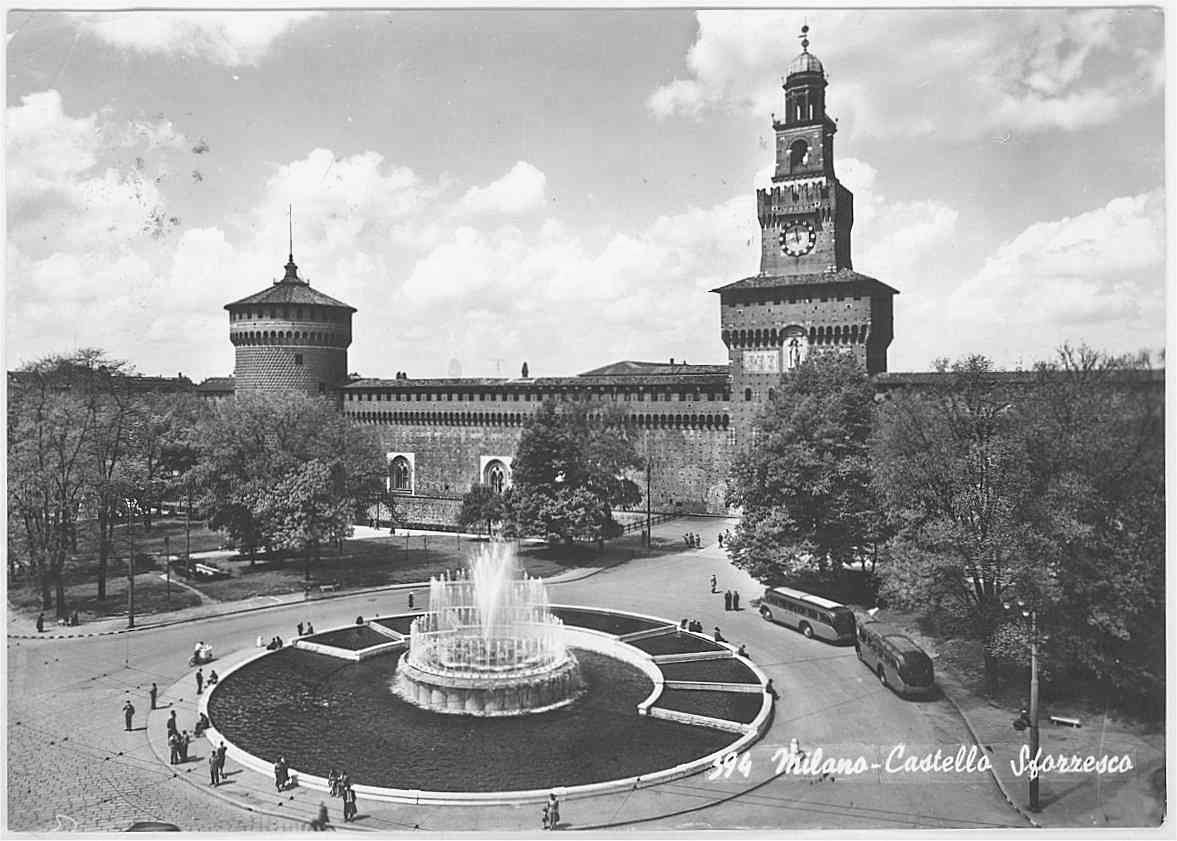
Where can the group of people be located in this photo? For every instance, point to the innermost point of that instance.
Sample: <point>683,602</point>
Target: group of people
<point>71,621</point>
<point>216,765</point>
<point>731,600</point>
<point>691,625</point>
<point>692,540</point>
<point>178,741</point>
<point>281,774</point>
<point>551,816</point>
<point>724,536</point>
<point>340,783</point>
<point>305,630</point>
<point>273,645</point>
<point>213,679</point>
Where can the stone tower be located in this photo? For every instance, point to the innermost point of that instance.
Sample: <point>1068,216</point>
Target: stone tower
<point>290,337</point>
<point>807,298</point>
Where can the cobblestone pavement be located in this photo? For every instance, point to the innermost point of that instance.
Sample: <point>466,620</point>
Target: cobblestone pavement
<point>72,766</point>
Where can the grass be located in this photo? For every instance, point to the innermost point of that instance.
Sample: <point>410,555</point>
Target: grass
<point>151,597</point>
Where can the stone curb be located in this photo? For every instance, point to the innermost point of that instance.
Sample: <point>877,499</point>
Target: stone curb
<point>167,623</point>
<point>996,779</point>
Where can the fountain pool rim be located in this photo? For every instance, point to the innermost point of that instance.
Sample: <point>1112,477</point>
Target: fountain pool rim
<point>599,641</point>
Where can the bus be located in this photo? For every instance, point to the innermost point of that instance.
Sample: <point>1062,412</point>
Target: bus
<point>811,615</point>
<point>900,664</point>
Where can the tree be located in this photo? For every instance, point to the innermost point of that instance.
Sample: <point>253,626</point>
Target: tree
<point>1095,448</point>
<point>805,486</point>
<point>285,471</point>
<point>569,473</point>
<point>481,505</point>
<point>53,411</point>
<point>950,467</point>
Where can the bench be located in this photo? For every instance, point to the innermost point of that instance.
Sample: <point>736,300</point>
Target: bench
<point>1065,720</point>
<point>328,588</point>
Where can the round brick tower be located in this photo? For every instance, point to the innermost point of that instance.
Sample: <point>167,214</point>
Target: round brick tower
<point>290,336</point>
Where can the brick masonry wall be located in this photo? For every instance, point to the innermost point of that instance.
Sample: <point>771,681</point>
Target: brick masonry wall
<point>272,368</point>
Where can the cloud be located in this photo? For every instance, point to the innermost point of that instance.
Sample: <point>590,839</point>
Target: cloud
<point>1097,277</point>
<point>228,38</point>
<point>1023,70</point>
<point>519,191</point>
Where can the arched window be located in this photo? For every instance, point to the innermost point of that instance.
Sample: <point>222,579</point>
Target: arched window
<point>496,475</point>
<point>400,475</point>
<point>771,395</point>
<point>747,394</point>
<point>798,155</point>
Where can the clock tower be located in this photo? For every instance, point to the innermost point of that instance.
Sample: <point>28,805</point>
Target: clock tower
<point>807,298</point>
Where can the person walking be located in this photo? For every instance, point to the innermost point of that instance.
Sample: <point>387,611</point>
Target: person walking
<point>154,693</point>
<point>320,823</point>
<point>721,540</point>
<point>128,713</point>
<point>553,811</point>
<point>412,598</point>
<point>714,589</point>
<point>727,599</point>
<point>199,681</point>
<point>172,726</point>
<point>174,747</point>
<point>220,753</point>
<point>185,741</point>
<point>280,773</point>
<point>214,775</point>
<point>735,599</point>
<point>770,690</point>
<point>300,629</point>
<point>349,804</point>
<point>40,623</point>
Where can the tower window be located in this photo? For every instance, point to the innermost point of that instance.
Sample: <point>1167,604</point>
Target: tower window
<point>798,155</point>
<point>298,359</point>
<point>747,394</point>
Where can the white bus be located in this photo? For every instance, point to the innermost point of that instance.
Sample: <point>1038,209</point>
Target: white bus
<point>811,615</point>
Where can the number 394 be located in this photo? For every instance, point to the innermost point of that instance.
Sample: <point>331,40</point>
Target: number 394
<point>724,766</point>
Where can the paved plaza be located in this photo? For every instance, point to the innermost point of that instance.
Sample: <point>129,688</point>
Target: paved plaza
<point>72,765</point>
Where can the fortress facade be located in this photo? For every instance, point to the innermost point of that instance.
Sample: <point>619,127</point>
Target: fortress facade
<point>443,435</point>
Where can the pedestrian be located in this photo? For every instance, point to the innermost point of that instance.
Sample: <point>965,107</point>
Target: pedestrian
<point>261,643</point>
<point>727,599</point>
<point>310,629</point>
<point>553,810</point>
<point>359,620</point>
<point>714,589</point>
<point>221,752</point>
<point>718,635</point>
<point>128,712</point>
<point>721,540</point>
<point>412,596</point>
<point>40,623</point>
<point>349,803</point>
<point>214,776</point>
<point>306,591</point>
<point>213,678</point>
<point>154,693</point>
<point>172,727</point>
<point>683,625</point>
<point>319,824</point>
<point>73,620</point>
<point>174,747</point>
<point>185,741</point>
<point>770,690</point>
<point>735,599</point>
<point>280,773</point>
<point>300,629</point>
<point>199,681</point>
<point>333,783</point>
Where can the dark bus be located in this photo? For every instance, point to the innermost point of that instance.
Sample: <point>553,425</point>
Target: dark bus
<point>899,663</point>
<point>811,615</point>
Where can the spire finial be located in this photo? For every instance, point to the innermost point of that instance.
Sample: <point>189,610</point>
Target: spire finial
<point>804,38</point>
<point>291,268</point>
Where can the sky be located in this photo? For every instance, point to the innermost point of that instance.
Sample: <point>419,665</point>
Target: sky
<point>565,186</point>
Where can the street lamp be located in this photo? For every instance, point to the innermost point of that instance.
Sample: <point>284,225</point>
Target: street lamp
<point>131,571</point>
<point>1029,718</point>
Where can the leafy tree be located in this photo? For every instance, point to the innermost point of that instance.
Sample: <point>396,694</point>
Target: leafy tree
<point>1095,447</point>
<point>950,467</point>
<point>569,473</point>
<point>285,471</point>
<point>805,486</point>
<point>53,412</point>
<point>481,504</point>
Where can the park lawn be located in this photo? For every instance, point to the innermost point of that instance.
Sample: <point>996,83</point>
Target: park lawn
<point>151,597</point>
<point>372,562</point>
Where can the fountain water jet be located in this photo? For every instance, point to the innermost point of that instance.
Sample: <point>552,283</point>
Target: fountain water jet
<point>488,646</point>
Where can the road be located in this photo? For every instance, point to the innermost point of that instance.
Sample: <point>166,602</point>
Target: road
<point>71,765</point>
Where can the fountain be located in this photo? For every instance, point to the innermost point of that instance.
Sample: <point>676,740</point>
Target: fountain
<point>488,646</point>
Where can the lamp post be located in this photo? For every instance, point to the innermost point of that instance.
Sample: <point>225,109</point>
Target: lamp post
<point>167,565</point>
<point>1032,713</point>
<point>131,572</point>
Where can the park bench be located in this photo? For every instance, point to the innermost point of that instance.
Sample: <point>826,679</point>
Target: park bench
<point>329,587</point>
<point>1066,720</point>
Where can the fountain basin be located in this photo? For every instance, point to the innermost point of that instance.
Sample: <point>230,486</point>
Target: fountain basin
<point>479,693</point>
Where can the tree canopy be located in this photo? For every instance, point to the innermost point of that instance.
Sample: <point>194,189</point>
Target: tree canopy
<point>569,473</point>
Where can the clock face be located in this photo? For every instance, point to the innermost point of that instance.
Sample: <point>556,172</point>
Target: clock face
<point>798,238</point>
